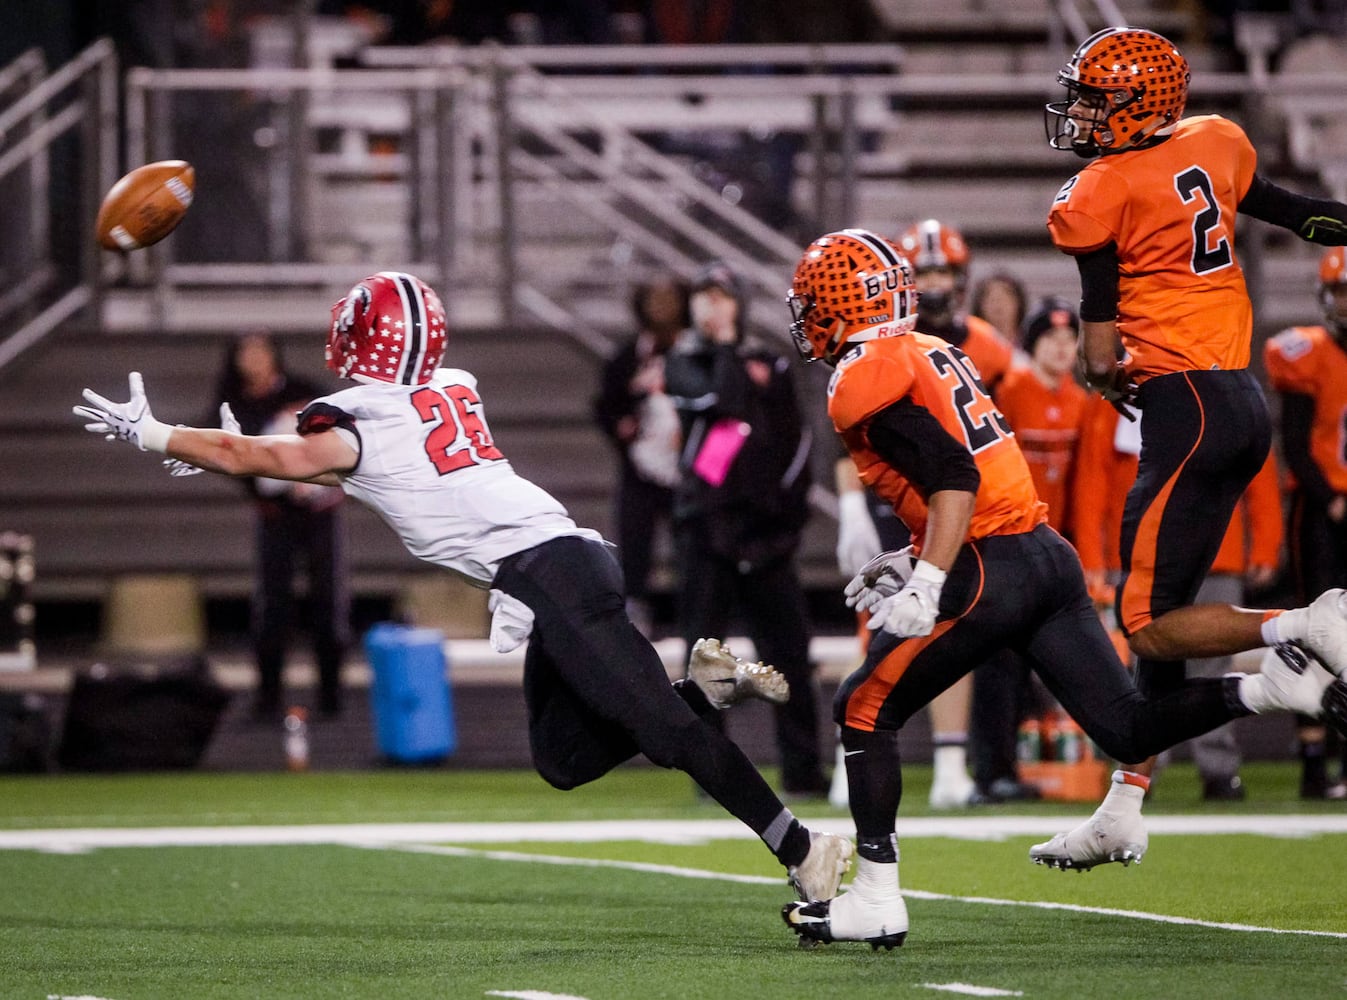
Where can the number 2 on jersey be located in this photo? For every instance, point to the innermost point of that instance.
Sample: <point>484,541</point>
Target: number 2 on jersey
<point>460,437</point>
<point>1206,257</point>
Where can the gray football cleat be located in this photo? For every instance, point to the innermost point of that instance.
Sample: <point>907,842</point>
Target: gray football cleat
<point>727,680</point>
<point>819,875</point>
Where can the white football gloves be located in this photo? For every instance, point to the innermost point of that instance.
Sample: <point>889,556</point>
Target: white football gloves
<point>913,610</point>
<point>857,538</point>
<point>228,423</point>
<point>511,621</point>
<point>901,593</point>
<point>130,421</point>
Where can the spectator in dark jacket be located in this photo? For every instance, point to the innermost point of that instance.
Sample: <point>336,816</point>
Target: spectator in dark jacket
<point>638,416</point>
<point>741,504</point>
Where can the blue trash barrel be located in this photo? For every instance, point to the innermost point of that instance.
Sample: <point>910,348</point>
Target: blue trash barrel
<point>411,700</point>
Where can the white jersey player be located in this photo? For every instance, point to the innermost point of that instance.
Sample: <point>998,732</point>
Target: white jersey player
<point>411,441</point>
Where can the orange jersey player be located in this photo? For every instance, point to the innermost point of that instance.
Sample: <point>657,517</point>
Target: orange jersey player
<point>986,573</point>
<point>1106,467</point>
<point>1150,222</point>
<point>1307,365</point>
<point>1045,406</point>
<point>939,258</point>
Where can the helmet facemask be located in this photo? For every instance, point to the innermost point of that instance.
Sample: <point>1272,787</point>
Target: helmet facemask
<point>1083,122</point>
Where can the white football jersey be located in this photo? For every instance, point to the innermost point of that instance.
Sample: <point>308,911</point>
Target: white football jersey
<point>429,468</point>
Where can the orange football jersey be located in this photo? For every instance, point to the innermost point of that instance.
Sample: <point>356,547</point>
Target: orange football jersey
<point>1104,474</point>
<point>939,378</point>
<point>1307,360</point>
<point>1170,209</point>
<point>1047,424</point>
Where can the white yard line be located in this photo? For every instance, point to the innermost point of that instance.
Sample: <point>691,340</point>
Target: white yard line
<point>700,873</point>
<point>665,831</point>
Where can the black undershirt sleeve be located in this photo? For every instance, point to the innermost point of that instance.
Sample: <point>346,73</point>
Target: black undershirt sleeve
<point>1297,419</point>
<point>910,438</point>
<point>1318,220</point>
<point>1099,284</point>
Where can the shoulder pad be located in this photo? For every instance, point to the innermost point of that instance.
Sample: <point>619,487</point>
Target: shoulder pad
<point>319,417</point>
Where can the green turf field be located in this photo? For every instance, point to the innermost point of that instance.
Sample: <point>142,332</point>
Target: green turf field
<point>534,916</point>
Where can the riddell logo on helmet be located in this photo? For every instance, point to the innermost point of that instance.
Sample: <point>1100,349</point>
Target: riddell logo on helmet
<point>886,281</point>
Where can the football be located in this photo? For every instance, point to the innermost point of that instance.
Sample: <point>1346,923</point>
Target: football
<point>145,205</point>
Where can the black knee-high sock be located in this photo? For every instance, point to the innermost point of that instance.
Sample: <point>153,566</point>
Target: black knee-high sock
<point>694,696</point>
<point>875,785</point>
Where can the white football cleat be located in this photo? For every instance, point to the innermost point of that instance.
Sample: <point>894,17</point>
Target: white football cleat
<point>727,680</point>
<point>856,915</point>
<point>1116,832</point>
<point>819,875</point>
<point>1289,679</point>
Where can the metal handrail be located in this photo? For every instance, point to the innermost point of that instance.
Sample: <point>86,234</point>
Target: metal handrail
<point>641,56</point>
<point>29,63</point>
<point>34,99</point>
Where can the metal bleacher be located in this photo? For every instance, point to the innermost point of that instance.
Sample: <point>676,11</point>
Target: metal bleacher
<point>535,187</point>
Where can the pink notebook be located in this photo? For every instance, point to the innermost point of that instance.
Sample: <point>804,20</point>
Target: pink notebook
<point>718,451</point>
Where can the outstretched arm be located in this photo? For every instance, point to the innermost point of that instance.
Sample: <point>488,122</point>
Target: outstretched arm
<point>1317,220</point>
<point>315,458</point>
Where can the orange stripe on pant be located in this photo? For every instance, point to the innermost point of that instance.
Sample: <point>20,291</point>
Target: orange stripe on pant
<point>1135,605</point>
<point>865,703</point>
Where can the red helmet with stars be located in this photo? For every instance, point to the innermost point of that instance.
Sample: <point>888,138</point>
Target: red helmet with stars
<point>388,328</point>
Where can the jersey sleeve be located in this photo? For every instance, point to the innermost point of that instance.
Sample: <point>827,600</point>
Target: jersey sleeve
<point>864,384</point>
<point>1085,213</point>
<point>320,416</point>
<point>1288,358</point>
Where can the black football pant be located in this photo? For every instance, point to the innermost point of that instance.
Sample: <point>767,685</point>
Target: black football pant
<point>597,692</point>
<point>1025,592</point>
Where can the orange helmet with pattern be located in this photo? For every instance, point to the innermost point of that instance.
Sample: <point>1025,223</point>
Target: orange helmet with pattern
<point>388,328</point>
<point>1333,287</point>
<point>850,286</point>
<point>1123,86</point>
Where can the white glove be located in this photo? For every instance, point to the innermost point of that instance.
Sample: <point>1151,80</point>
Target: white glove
<point>857,539</point>
<point>130,421</point>
<point>881,577</point>
<point>511,621</point>
<point>913,610</point>
<point>228,422</point>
